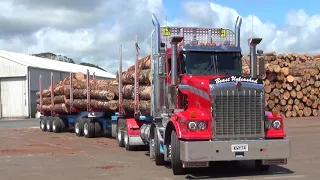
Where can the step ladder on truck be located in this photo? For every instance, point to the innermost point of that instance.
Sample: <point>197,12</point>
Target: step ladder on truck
<point>87,122</point>
<point>203,109</point>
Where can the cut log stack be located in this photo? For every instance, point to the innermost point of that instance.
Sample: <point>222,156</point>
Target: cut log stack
<point>291,83</point>
<point>145,78</point>
<point>103,95</point>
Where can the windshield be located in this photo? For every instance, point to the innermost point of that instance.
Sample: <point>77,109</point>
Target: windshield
<point>208,63</point>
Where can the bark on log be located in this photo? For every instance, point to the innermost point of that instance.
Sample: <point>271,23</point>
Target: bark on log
<point>78,103</point>
<point>144,77</point>
<point>45,93</point>
<point>61,108</point>
<point>104,105</point>
<point>144,92</point>
<point>143,63</point>
<point>96,104</point>
<point>45,108</point>
<point>144,106</point>
<point>57,100</point>
<point>102,94</point>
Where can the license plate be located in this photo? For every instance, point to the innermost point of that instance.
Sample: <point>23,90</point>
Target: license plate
<point>239,148</point>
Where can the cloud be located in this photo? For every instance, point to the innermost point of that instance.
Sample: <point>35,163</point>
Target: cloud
<point>92,31</point>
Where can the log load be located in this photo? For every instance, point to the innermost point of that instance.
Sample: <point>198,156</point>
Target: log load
<point>291,83</point>
<point>144,92</point>
<point>144,77</point>
<point>103,94</point>
<point>144,63</point>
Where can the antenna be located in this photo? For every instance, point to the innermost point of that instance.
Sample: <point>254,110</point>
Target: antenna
<point>166,20</point>
<point>252,25</point>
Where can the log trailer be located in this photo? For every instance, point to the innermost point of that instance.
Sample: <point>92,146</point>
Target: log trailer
<point>87,122</point>
<point>203,109</point>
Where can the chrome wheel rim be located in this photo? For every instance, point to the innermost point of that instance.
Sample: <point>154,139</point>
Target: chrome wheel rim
<point>53,125</point>
<point>77,127</point>
<point>48,125</point>
<point>42,125</point>
<point>119,135</point>
<point>126,138</point>
<point>85,129</point>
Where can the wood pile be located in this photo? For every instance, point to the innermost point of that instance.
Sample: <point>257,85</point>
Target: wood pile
<point>104,94</point>
<point>291,83</point>
<point>145,78</point>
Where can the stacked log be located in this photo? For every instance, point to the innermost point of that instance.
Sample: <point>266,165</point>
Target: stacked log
<point>103,95</point>
<point>291,83</point>
<point>145,78</point>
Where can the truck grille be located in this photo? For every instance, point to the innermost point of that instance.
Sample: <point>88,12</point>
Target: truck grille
<point>238,114</point>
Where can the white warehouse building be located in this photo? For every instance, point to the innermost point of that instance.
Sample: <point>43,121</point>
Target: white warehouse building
<point>19,81</point>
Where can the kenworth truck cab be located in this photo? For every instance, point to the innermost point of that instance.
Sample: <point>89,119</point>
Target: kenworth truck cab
<point>203,108</point>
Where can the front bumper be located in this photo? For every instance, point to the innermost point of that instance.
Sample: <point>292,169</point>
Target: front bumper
<point>203,151</point>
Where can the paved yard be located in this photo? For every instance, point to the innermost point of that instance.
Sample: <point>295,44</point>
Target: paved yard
<point>28,153</point>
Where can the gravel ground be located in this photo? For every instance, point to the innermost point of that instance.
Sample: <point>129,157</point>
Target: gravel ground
<point>28,153</point>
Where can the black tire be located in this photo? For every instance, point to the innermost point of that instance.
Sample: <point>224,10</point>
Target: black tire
<point>120,136</point>
<point>97,129</point>
<point>78,127</point>
<point>49,124</point>
<point>63,125</point>
<point>43,123</point>
<point>158,156</point>
<point>127,142</point>
<point>88,129</point>
<point>260,167</point>
<point>114,129</point>
<point>176,163</point>
<point>56,125</point>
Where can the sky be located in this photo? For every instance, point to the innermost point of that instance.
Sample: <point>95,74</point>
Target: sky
<point>91,31</point>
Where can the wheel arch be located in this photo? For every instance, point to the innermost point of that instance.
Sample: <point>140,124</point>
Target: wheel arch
<point>170,127</point>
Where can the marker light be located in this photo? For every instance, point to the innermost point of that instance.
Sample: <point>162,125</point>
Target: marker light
<point>193,114</point>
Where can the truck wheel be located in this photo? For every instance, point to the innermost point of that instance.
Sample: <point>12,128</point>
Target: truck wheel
<point>56,126</point>
<point>260,167</point>
<point>114,129</point>
<point>120,133</point>
<point>43,123</point>
<point>176,163</point>
<point>159,157</point>
<point>97,129</point>
<point>78,127</point>
<point>63,124</point>
<point>88,129</point>
<point>49,124</point>
<point>127,143</point>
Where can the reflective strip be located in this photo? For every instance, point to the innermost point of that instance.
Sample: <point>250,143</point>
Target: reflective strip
<point>196,91</point>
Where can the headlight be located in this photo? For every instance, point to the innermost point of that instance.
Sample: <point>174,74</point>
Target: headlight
<point>197,125</point>
<point>192,125</point>
<point>276,124</point>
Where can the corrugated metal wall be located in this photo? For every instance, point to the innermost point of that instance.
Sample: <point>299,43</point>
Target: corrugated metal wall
<point>10,68</point>
<point>13,89</point>
<point>14,97</point>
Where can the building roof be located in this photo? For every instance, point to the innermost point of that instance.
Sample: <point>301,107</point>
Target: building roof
<point>49,64</point>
